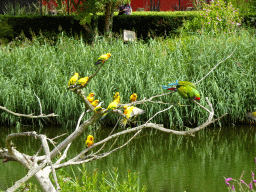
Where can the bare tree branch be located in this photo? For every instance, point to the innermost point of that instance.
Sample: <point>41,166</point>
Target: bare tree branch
<point>159,112</point>
<point>41,112</point>
<point>28,116</point>
<point>48,159</point>
<point>147,100</point>
<point>68,146</point>
<point>215,67</point>
<point>76,159</point>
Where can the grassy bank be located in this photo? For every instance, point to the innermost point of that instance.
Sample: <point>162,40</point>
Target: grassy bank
<point>38,67</point>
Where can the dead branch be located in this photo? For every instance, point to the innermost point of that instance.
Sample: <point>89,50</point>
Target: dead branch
<point>147,100</point>
<point>28,116</point>
<point>27,160</point>
<point>48,159</point>
<point>68,146</point>
<point>77,160</point>
<point>41,111</point>
<point>215,67</point>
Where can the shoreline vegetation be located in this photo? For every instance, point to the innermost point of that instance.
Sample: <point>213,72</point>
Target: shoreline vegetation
<point>35,73</point>
<point>43,66</point>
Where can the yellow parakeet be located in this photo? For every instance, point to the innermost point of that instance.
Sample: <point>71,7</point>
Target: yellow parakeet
<point>103,58</point>
<point>112,105</point>
<point>117,96</point>
<point>89,141</point>
<point>73,79</point>
<point>95,103</point>
<point>90,97</point>
<point>98,109</point>
<point>130,112</point>
<point>81,82</point>
<point>133,97</point>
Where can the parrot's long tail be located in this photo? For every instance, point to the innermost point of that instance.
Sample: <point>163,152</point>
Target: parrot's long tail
<point>177,83</point>
<point>104,115</point>
<point>98,62</point>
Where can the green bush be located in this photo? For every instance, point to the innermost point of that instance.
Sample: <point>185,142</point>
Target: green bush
<point>249,19</point>
<point>146,24</point>
<point>93,182</point>
<point>6,31</point>
<point>48,26</point>
<point>217,17</point>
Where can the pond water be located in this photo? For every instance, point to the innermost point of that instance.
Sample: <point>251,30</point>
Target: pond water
<point>163,162</point>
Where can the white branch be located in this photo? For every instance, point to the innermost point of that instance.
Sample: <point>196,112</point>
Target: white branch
<point>30,174</point>
<point>48,159</point>
<point>148,100</point>
<point>159,112</point>
<point>215,67</point>
<point>30,115</point>
<point>76,159</point>
<point>68,146</point>
<point>41,112</point>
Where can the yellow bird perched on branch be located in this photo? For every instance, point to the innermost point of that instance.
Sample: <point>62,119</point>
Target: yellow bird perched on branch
<point>102,59</point>
<point>98,109</point>
<point>130,112</point>
<point>90,97</point>
<point>81,82</point>
<point>117,96</point>
<point>73,79</point>
<point>112,105</point>
<point>90,140</point>
<point>95,103</point>
<point>133,97</point>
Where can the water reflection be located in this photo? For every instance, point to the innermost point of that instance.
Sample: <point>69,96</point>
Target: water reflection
<point>164,162</point>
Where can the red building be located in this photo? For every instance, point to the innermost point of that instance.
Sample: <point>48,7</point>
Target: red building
<point>161,5</point>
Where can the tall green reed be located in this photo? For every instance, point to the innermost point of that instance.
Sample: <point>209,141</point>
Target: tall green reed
<point>44,69</point>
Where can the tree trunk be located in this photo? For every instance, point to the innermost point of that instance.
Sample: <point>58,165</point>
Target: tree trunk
<point>43,178</point>
<point>109,13</point>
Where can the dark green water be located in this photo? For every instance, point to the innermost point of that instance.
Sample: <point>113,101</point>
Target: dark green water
<point>164,162</point>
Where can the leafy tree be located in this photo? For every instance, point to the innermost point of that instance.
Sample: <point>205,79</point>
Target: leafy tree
<point>87,11</point>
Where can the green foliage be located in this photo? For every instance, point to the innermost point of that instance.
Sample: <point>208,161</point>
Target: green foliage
<point>248,6</point>
<point>250,19</point>
<point>23,10</point>
<point>6,31</point>
<point>217,17</point>
<point>99,182</point>
<point>145,24</point>
<point>36,66</point>
<point>42,25</point>
<point>165,13</point>
<point>92,182</point>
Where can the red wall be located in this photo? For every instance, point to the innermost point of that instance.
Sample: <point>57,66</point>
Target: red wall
<point>165,5</point>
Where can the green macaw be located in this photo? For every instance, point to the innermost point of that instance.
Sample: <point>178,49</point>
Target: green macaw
<point>186,89</point>
<point>186,92</point>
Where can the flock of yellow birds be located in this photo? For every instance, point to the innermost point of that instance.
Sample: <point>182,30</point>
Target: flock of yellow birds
<point>129,112</point>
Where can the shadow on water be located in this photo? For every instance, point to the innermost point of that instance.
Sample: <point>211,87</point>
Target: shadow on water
<point>164,162</point>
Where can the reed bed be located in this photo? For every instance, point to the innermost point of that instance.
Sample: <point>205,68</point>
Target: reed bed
<point>44,67</point>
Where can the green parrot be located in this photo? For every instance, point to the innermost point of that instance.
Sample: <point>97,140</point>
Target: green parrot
<point>187,92</point>
<point>186,89</point>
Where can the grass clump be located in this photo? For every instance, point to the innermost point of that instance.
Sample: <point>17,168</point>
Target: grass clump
<point>29,67</point>
<point>94,182</point>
